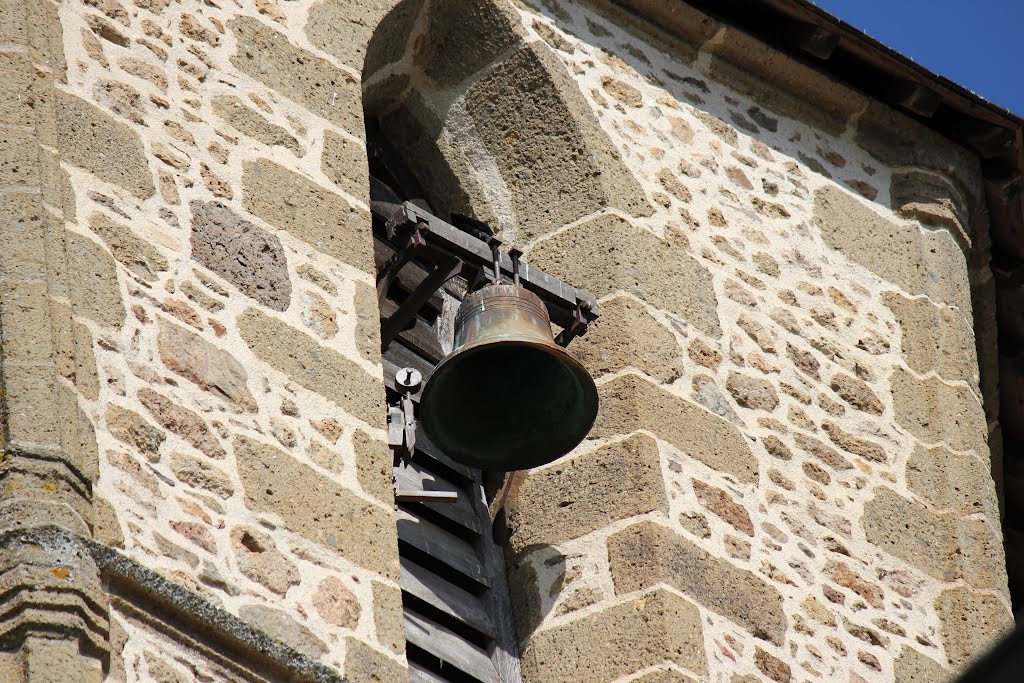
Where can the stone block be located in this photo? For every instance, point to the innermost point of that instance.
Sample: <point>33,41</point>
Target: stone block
<point>211,368</point>
<point>556,161</point>
<point>935,338</point>
<point>930,199</point>
<point>607,253</point>
<point>651,629</point>
<point>109,149</point>
<point>374,461</point>
<point>752,392</point>
<point>363,663</point>
<point>630,402</point>
<point>913,667</point>
<point>324,89</point>
<point>896,139</point>
<point>242,253</point>
<point>627,335</point>
<point>936,412</point>
<point>130,428</point>
<point>96,294</point>
<point>30,404</point>
<point>919,261</point>
<point>723,505</point>
<point>857,393</point>
<point>194,471</point>
<point>19,157</point>
<point>135,253</point>
<point>464,37</point>
<point>646,554</point>
<point>308,212</point>
<point>971,623</point>
<point>23,239</point>
<point>303,360</point>
<point>667,676</point>
<point>16,81</point>
<point>282,626</point>
<point>946,546</point>
<point>952,481</point>
<point>181,421</point>
<point>781,83</point>
<point>344,163</point>
<point>316,507</point>
<point>586,492</point>
<point>259,559</point>
<point>29,330</point>
<point>248,122</point>
<point>358,32</point>
<point>387,617</point>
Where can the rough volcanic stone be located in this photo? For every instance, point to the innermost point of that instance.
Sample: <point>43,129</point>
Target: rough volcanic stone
<point>772,667</point>
<point>138,255</point>
<point>109,149</point>
<point>211,368</point>
<point>630,402</point>
<point>303,360</point>
<point>363,663</point>
<point>244,254</point>
<point>934,338</point>
<point>95,292</point>
<point>913,667</point>
<point>464,38</point>
<point>857,393</point>
<point>318,316</point>
<point>201,474</point>
<point>931,199</point>
<point>344,163</point>
<point>335,603</point>
<point>387,616</point>
<point>555,159</point>
<point>866,449</point>
<point>374,461</point>
<point>321,87</point>
<point>248,122</point>
<point>722,504</point>
<point>945,546</point>
<point>971,623</point>
<point>607,253</point>
<point>952,481</point>
<point>133,429</point>
<point>656,627</point>
<point>627,335</point>
<point>707,393</point>
<point>308,212</point>
<point>279,624</point>
<point>367,321</point>
<point>316,507</point>
<point>752,392</point>
<point>937,412</point>
<point>646,554</point>
<point>583,493</point>
<point>345,28</point>
<point>181,421</point>
<point>918,261</point>
<point>260,560</point>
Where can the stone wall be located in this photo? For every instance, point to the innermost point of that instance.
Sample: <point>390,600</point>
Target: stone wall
<point>789,476</point>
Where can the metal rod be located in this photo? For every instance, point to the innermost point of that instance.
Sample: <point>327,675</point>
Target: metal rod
<point>494,243</point>
<point>514,253</point>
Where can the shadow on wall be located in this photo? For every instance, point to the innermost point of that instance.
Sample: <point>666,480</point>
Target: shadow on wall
<point>493,127</point>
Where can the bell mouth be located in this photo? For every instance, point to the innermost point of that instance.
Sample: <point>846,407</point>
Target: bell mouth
<point>508,405</point>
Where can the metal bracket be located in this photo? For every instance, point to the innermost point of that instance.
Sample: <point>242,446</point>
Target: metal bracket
<point>578,326</point>
<point>386,275</point>
<point>402,438</point>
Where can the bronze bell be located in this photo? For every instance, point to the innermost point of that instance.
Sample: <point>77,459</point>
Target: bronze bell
<point>507,397</point>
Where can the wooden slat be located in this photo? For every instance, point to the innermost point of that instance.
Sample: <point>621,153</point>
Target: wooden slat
<point>439,641</point>
<point>446,597</point>
<point>426,446</point>
<point>414,477</point>
<point>409,276</point>
<point>421,338</point>
<point>418,674</point>
<point>441,544</point>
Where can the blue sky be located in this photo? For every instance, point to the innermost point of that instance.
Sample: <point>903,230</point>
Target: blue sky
<point>976,43</point>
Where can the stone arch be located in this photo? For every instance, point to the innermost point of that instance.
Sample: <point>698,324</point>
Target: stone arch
<point>491,124</point>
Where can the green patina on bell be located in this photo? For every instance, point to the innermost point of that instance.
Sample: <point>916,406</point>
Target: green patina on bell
<point>507,397</point>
